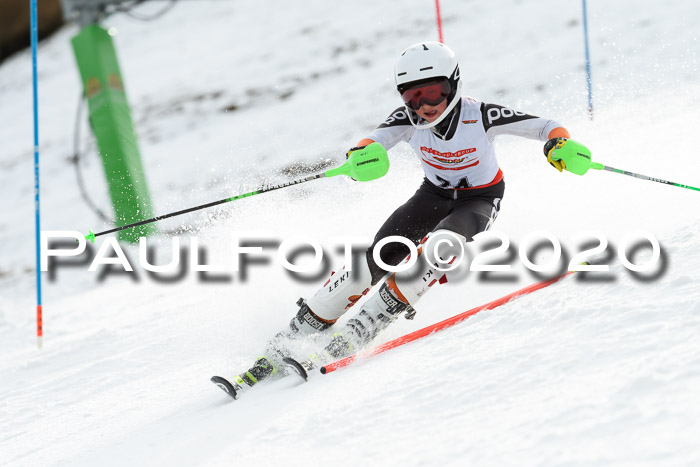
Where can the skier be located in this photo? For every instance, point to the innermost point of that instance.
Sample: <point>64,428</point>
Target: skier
<point>460,197</point>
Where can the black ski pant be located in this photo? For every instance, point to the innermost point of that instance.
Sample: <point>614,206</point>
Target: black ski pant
<point>466,212</point>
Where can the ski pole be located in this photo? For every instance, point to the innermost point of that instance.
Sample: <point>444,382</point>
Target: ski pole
<point>577,160</point>
<point>597,166</point>
<point>366,164</point>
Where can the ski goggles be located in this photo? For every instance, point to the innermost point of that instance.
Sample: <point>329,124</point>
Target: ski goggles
<point>431,93</point>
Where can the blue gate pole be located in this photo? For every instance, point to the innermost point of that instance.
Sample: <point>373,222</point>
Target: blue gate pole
<point>37,212</point>
<point>588,61</point>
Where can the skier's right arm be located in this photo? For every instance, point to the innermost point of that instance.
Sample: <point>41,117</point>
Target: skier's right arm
<point>393,130</point>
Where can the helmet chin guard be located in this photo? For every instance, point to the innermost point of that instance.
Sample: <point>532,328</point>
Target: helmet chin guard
<point>424,61</point>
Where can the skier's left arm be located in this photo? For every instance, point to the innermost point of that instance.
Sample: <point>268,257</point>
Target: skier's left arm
<point>499,120</point>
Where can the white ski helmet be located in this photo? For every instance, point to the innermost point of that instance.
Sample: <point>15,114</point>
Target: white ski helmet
<point>424,63</point>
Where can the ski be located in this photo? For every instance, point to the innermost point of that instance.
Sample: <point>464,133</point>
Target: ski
<point>264,370</point>
<point>227,386</point>
<point>301,368</point>
<point>336,348</point>
<point>243,383</point>
<point>261,370</point>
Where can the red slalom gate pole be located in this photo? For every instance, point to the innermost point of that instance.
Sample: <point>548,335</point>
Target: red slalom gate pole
<point>439,20</point>
<point>449,322</point>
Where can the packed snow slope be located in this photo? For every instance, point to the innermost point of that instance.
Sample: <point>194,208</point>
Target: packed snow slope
<point>227,96</point>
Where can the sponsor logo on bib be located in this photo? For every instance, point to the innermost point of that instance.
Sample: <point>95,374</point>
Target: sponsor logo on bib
<point>448,160</point>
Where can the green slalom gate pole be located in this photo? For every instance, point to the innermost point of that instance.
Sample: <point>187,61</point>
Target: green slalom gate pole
<point>577,160</point>
<point>369,163</point>
<point>111,122</point>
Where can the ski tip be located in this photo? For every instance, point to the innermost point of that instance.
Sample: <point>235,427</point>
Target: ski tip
<point>225,386</point>
<point>323,370</point>
<point>296,366</point>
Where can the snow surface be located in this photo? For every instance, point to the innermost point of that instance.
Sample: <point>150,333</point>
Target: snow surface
<point>229,95</point>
